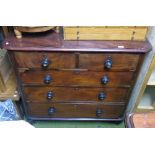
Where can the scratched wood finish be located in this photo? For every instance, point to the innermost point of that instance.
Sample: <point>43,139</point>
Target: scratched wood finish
<point>75,94</point>
<point>76,111</point>
<point>34,60</point>
<point>77,78</point>
<point>121,62</point>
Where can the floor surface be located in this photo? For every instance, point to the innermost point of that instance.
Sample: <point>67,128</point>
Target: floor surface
<point>73,124</point>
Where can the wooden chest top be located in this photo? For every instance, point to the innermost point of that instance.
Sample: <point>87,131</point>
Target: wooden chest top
<point>52,41</point>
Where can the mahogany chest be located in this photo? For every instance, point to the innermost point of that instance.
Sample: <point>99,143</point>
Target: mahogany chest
<point>75,80</point>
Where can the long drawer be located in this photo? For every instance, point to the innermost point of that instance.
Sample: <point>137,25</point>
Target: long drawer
<point>75,111</point>
<point>77,78</point>
<point>38,59</point>
<point>69,94</point>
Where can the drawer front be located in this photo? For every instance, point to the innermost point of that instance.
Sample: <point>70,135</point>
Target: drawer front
<point>75,111</point>
<point>44,60</point>
<point>73,78</point>
<point>115,62</point>
<point>69,94</point>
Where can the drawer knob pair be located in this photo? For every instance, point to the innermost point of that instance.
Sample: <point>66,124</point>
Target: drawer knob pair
<point>45,63</point>
<point>108,63</point>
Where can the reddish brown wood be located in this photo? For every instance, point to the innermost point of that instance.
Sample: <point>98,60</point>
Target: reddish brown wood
<point>120,61</point>
<point>86,61</point>
<point>51,41</point>
<point>75,111</point>
<point>34,60</point>
<point>68,94</point>
<point>76,68</point>
<point>77,78</point>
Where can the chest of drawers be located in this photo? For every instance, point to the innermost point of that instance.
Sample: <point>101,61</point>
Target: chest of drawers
<point>75,80</point>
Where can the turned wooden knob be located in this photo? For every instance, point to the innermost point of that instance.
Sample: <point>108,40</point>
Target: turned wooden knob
<point>104,79</point>
<point>99,112</point>
<point>50,95</point>
<point>101,96</point>
<point>45,63</point>
<point>108,63</point>
<point>51,111</point>
<point>47,79</point>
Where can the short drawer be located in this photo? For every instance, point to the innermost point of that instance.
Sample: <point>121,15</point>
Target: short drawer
<point>43,60</point>
<point>110,62</point>
<point>75,111</point>
<point>79,78</point>
<point>69,94</point>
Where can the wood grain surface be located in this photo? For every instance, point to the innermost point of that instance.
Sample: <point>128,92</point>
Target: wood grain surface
<point>75,111</point>
<point>105,32</point>
<point>50,41</point>
<point>34,60</point>
<point>121,62</point>
<point>94,62</point>
<point>77,78</point>
<point>69,94</point>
